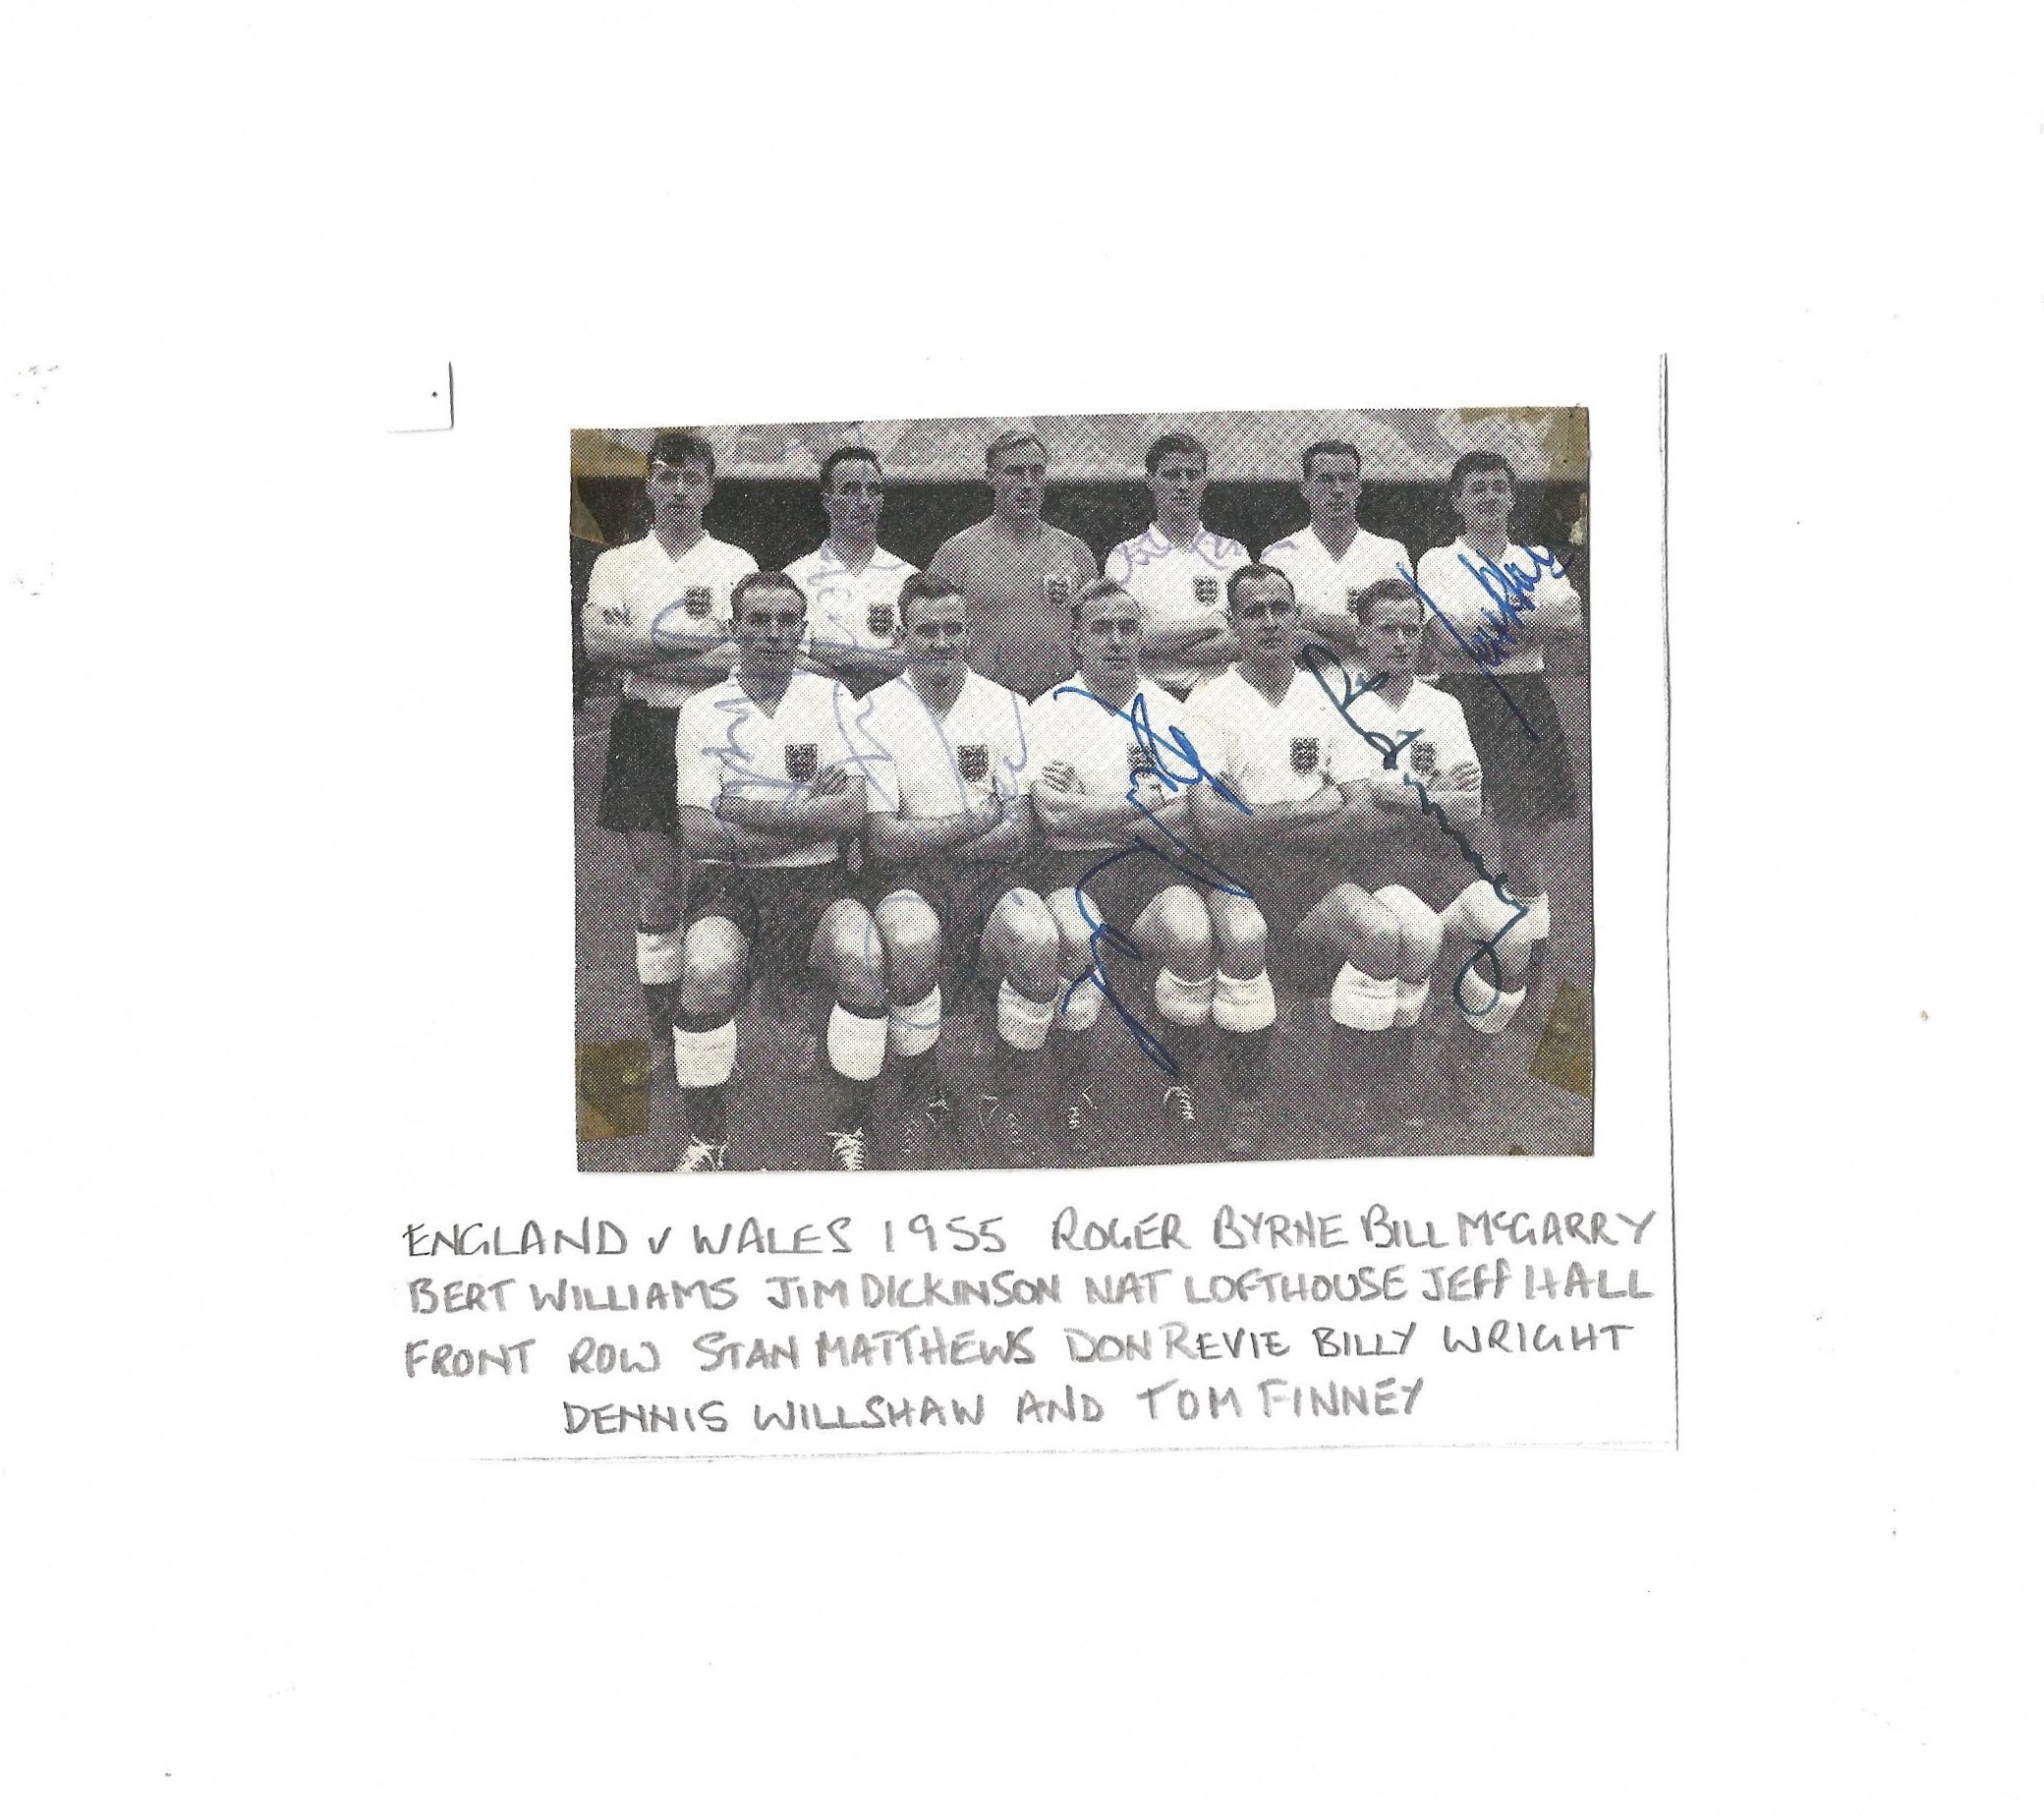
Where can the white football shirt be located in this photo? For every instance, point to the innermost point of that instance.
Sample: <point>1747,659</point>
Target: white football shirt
<point>1327,584</point>
<point>724,740</point>
<point>1177,587</point>
<point>1473,596</point>
<point>1275,755</point>
<point>1100,745</point>
<point>639,591</point>
<point>1426,734</point>
<point>860,609</point>
<point>922,765</point>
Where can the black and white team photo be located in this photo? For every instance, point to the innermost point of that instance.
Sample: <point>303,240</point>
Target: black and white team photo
<point>1082,792</point>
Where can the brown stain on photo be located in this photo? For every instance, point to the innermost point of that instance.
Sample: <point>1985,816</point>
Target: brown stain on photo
<point>1567,1054</point>
<point>610,1091</point>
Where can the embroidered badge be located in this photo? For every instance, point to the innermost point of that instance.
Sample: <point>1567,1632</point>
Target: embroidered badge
<point>1305,755</point>
<point>800,762</point>
<point>972,763</point>
<point>1206,589</point>
<point>696,602</point>
<point>879,619</point>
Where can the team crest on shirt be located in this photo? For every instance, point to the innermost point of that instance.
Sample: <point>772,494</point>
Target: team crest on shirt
<point>1139,762</point>
<point>800,762</point>
<point>1058,589</point>
<point>1355,600</point>
<point>972,763</point>
<point>1305,755</point>
<point>879,619</point>
<point>1206,589</point>
<point>696,601</point>
<point>1422,753</point>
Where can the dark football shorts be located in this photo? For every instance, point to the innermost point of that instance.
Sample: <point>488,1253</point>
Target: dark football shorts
<point>1288,888</point>
<point>1526,782</point>
<point>639,769</point>
<point>776,908</point>
<point>1121,882</point>
<point>1422,858</point>
<point>964,896</point>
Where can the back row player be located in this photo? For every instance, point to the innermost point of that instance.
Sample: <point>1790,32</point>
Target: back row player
<point>659,610</point>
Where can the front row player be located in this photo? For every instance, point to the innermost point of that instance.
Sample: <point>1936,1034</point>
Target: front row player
<point>947,825</point>
<point>1287,802</point>
<point>767,793</point>
<point>1117,870</point>
<point>1425,777</point>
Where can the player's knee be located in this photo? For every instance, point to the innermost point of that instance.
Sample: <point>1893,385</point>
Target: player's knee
<point>713,969</point>
<point>912,945</point>
<point>1185,933</point>
<point>1365,929</point>
<point>1025,935</point>
<point>1074,934</point>
<point>1240,935</point>
<point>1419,930</point>
<point>858,976</point>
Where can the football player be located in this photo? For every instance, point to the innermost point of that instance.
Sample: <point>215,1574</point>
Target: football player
<point>1114,868</point>
<point>852,585</point>
<point>1016,575</point>
<point>1333,559</point>
<point>767,795</point>
<point>660,611</point>
<point>947,825</point>
<point>1177,569</point>
<point>1434,866</point>
<point>1496,606</point>
<point>1281,803</point>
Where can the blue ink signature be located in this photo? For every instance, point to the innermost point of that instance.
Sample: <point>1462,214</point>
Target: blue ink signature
<point>1510,588</point>
<point>1209,547</point>
<point>1388,747</point>
<point>1203,872</point>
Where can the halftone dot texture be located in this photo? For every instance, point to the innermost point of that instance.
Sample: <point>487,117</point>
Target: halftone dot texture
<point>1527,1090</point>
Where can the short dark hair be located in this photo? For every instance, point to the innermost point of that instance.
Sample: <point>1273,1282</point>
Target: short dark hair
<point>1479,461</point>
<point>836,456</point>
<point>1014,439</point>
<point>1390,588</point>
<point>1328,448</point>
<point>1176,443</point>
<point>765,581</point>
<point>673,447</point>
<point>1257,572</point>
<point>1099,589</point>
<point>923,585</point>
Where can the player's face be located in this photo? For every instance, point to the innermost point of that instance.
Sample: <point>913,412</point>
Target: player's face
<point>1484,501</point>
<point>1109,634</point>
<point>678,490</point>
<point>1177,487</point>
<point>1333,488</point>
<point>769,630</point>
<point>853,503</point>
<point>935,636</point>
<point>1266,617</point>
<point>1393,637</point>
<point>1018,482</point>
